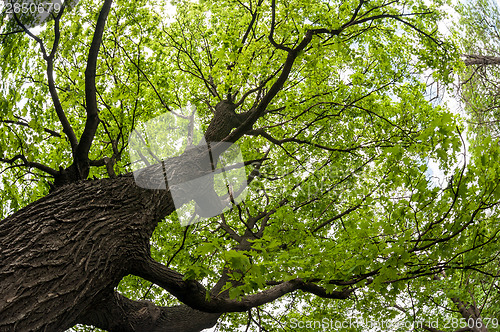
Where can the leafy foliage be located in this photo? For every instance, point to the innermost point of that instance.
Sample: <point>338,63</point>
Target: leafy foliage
<point>344,197</point>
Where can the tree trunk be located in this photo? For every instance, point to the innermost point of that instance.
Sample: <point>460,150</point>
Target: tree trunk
<point>472,316</point>
<point>62,256</point>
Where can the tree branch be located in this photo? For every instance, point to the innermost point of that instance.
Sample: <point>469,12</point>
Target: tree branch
<point>293,53</point>
<point>49,58</point>
<point>116,313</point>
<point>271,32</point>
<point>27,163</point>
<point>82,151</point>
<point>25,124</point>
<point>476,59</point>
<point>195,295</point>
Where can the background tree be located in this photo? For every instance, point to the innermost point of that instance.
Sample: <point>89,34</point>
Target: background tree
<point>479,37</point>
<point>327,103</point>
<point>472,294</point>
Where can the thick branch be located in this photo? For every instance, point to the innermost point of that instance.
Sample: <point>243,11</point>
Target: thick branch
<point>27,163</point>
<point>293,53</point>
<point>92,122</point>
<point>471,314</point>
<point>476,59</point>
<point>120,314</point>
<point>67,129</point>
<point>195,295</point>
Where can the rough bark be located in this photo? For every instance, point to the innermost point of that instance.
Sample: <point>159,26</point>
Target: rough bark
<point>133,316</point>
<point>63,255</point>
<point>476,59</point>
<point>67,251</point>
<point>472,315</point>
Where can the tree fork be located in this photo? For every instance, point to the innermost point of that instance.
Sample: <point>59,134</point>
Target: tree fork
<point>64,254</point>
